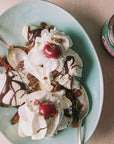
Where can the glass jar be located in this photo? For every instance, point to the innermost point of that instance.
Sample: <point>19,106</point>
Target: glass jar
<point>107,36</point>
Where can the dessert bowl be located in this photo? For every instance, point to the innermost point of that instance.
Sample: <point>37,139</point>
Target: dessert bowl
<point>32,13</point>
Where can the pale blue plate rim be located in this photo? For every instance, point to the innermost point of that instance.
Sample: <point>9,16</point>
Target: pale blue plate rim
<point>95,54</point>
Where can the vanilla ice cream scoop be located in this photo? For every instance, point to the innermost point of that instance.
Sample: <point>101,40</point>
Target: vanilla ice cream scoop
<point>42,114</point>
<point>43,35</point>
<point>37,63</point>
<point>68,64</point>
<point>12,89</point>
<point>71,70</point>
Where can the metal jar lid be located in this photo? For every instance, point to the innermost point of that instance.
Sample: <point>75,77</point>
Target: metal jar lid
<point>111,30</point>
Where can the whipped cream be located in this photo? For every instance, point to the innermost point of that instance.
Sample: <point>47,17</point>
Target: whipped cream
<point>42,67</point>
<point>73,67</point>
<point>33,124</point>
<point>36,58</point>
<point>49,80</point>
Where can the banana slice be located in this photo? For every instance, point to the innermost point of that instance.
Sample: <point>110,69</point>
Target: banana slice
<point>25,31</point>
<point>20,131</point>
<point>46,86</point>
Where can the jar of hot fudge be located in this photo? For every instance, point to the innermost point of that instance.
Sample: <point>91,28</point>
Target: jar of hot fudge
<point>107,36</point>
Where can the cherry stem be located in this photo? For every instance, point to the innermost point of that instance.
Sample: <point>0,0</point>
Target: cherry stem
<point>50,45</point>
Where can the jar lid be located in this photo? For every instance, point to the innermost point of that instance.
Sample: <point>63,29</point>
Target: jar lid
<point>111,30</point>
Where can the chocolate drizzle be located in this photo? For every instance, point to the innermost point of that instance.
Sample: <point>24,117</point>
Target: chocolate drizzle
<point>8,86</point>
<point>68,58</point>
<point>49,122</point>
<point>32,34</point>
<point>65,69</point>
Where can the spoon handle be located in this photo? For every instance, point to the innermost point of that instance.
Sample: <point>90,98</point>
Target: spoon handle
<point>79,132</point>
<point>5,43</point>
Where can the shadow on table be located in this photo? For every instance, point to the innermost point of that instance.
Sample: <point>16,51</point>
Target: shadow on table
<point>93,28</point>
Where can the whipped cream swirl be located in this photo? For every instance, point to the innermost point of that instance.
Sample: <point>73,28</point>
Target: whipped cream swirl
<point>42,67</point>
<point>33,124</point>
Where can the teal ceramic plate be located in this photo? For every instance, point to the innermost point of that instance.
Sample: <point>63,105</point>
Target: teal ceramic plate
<point>34,12</point>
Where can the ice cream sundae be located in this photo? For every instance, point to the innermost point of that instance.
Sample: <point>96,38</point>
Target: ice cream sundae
<point>46,86</point>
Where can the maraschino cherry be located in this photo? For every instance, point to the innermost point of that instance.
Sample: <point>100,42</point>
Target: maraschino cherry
<point>52,50</point>
<point>47,109</point>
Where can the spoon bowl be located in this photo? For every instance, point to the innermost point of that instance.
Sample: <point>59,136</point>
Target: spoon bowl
<point>83,98</point>
<point>14,56</point>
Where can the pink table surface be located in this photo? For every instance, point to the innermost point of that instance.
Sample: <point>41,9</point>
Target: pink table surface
<point>91,14</point>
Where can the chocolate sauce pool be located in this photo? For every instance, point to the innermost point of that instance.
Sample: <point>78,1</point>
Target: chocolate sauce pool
<point>8,86</point>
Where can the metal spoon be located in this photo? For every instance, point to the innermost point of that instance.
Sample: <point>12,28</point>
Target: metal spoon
<point>83,113</point>
<point>14,56</point>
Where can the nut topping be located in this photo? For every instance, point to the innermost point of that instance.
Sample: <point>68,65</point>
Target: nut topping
<point>2,61</point>
<point>21,65</point>
<point>56,40</point>
<point>15,118</point>
<point>36,102</point>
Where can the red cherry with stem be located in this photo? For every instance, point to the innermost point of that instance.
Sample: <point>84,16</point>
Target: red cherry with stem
<point>52,50</point>
<point>47,109</point>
